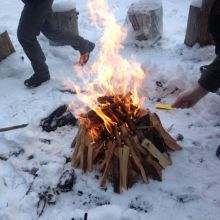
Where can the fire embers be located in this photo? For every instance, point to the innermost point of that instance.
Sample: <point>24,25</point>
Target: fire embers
<point>123,142</point>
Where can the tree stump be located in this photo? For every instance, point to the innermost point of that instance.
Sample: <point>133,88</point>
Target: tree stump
<point>146,20</point>
<point>197,28</point>
<point>65,21</point>
<point>6,47</point>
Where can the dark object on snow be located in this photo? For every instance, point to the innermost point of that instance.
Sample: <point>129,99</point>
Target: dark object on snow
<point>41,205</point>
<point>159,84</point>
<point>66,181</point>
<point>58,118</point>
<point>179,137</point>
<point>45,141</point>
<point>13,127</point>
<point>68,91</point>
<point>3,158</point>
<point>86,216</point>
<point>218,152</point>
<point>49,196</point>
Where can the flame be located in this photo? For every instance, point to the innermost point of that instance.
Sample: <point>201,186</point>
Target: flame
<point>110,74</point>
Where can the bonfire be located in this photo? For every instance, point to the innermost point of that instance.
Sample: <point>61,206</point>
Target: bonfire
<point>118,137</point>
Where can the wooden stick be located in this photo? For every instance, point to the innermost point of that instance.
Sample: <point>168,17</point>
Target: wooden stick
<point>124,169</point>
<point>170,142</point>
<point>139,165</point>
<point>117,136</point>
<point>120,157</point>
<point>144,127</point>
<point>97,151</point>
<point>76,137</point>
<point>164,161</point>
<point>134,153</point>
<point>77,144</point>
<point>111,149</point>
<point>78,155</point>
<point>13,127</point>
<point>154,168</point>
<point>136,143</point>
<point>90,153</point>
<point>116,174</point>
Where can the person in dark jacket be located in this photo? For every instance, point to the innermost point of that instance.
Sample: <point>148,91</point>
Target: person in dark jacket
<point>37,17</point>
<point>210,74</point>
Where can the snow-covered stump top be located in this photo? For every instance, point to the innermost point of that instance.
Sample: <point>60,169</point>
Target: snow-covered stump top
<point>65,17</point>
<point>146,20</point>
<point>196,3</point>
<point>63,5</point>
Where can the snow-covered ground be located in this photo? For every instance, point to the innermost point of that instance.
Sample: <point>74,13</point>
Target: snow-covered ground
<point>190,189</point>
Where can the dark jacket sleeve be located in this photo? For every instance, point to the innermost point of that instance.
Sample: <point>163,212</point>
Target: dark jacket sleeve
<point>210,78</point>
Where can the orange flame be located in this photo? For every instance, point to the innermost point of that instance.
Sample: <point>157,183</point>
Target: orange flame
<point>110,74</point>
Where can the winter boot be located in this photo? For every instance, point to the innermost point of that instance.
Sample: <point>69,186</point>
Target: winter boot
<point>36,80</point>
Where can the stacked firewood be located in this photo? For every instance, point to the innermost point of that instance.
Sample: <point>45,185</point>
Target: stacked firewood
<point>126,144</point>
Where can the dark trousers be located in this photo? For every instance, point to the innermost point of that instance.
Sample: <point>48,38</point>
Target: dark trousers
<point>214,29</point>
<point>36,18</point>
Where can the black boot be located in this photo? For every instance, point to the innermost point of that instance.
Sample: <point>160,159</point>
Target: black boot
<point>36,80</point>
<point>84,54</point>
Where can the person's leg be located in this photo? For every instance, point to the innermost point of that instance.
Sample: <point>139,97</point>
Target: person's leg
<point>66,37</point>
<point>31,22</point>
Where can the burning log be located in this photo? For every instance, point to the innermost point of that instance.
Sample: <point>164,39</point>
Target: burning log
<point>126,143</point>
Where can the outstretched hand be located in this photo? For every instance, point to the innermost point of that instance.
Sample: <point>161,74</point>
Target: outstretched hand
<point>189,98</point>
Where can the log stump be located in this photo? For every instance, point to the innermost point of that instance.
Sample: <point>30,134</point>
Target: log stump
<point>197,28</point>
<point>6,47</point>
<point>146,20</point>
<point>65,21</point>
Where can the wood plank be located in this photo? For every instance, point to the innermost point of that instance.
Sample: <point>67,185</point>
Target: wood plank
<point>169,141</point>
<point>163,161</point>
<point>124,169</point>
<point>111,148</point>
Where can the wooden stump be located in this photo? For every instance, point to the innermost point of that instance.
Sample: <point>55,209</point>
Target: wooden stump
<point>197,28</point>
<point>65,21</point>
<point>146,20</point>
<point>6,47</point>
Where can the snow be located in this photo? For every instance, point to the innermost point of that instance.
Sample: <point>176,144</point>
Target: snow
<point>63,5</point>
<point>190,189</point>
<point>197,3</point>
<point>147,5</point>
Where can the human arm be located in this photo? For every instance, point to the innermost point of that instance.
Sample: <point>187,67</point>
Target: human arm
<point>210,77</point>
<point>189,98</point>
<point>208,82</point>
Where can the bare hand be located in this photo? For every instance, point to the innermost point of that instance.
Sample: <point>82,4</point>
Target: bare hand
<point>189,98</point>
